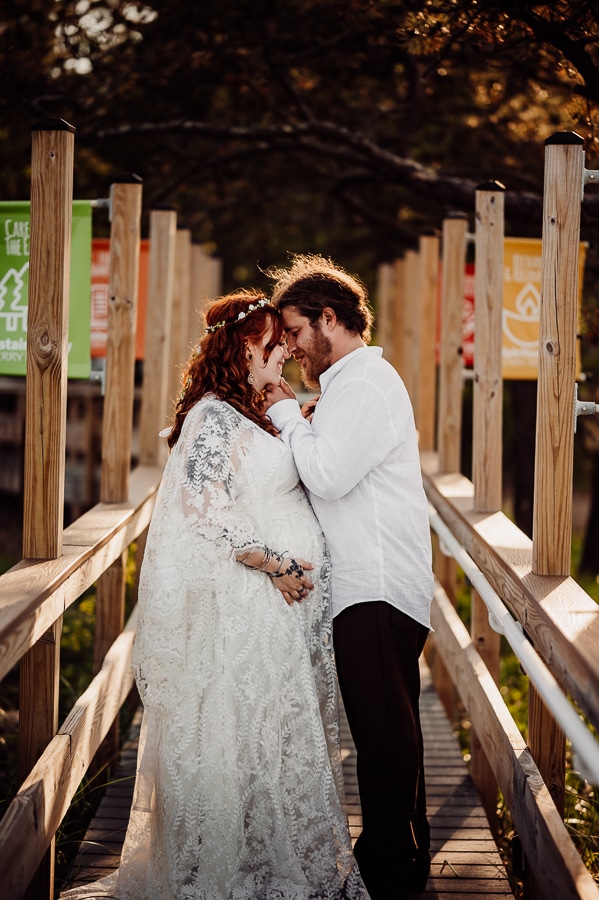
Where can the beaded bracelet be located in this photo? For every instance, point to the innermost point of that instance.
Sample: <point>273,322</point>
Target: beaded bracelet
<point>293,566</point>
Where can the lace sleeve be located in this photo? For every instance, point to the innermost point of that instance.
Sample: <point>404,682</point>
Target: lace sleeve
<point>211,490</point>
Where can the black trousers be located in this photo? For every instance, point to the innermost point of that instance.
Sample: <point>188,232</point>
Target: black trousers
<point>376,650</point>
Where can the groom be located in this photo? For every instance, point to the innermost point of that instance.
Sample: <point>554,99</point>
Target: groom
<point>357,456</point>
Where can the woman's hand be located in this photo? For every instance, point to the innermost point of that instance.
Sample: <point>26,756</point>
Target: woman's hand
<point>292,580</point>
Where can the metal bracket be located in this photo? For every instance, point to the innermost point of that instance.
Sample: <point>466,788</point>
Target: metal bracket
<point>589,176</point>
<point>98,372</point>
<point>583,407</point>
<point>103,203</point>
<point>497,628</point>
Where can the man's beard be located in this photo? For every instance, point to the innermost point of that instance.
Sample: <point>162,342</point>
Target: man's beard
<point>317,359</point>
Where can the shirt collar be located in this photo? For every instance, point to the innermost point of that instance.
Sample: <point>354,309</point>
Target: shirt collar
<point>327,376</point>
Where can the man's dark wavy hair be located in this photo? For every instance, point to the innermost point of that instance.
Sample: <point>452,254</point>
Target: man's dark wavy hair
<point>312,283</point>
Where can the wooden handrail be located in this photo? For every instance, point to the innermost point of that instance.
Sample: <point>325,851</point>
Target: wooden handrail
<point>548,847</point>
<point>558,616</point>
<point>33,817</point>
<point>34,593</point>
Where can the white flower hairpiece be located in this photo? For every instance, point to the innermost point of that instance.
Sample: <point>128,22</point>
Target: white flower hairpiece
<point>251,308</point>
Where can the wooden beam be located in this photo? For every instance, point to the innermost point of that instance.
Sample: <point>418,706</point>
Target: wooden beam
<point>410,300</point>
<point>487,416</point>
<point>451,388</point>
<point>52,160</point>
<point>550,852</point>
<point>33,817</point>
<point>179,339</point>
<point>552,513</point>
<point>34,593</point>
<point>384,309</point>
<point>427,367</point>
<point>153,416</point>
<point>558,616</point>
<point>487,439</point>
<point>554,451</point>
<point>123,282</point>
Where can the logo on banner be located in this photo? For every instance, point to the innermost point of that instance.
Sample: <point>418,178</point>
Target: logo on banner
<point>14,288</point>
<point>13,291</point>
<point>520,325</point>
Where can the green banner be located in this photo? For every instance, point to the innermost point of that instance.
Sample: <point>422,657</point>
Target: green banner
<point>14,284</point>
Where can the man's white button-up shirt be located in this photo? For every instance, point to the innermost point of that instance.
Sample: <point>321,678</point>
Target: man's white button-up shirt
<point>358,460</point>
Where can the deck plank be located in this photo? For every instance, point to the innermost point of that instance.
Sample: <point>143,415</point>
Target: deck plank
<point>465,860</point>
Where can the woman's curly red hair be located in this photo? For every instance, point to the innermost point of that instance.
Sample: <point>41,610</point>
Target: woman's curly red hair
<point>218,364</point>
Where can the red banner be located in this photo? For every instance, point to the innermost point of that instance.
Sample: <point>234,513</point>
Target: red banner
<point>99,311</point>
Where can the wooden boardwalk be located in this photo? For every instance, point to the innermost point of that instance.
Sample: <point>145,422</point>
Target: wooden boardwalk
<point>465,859</point>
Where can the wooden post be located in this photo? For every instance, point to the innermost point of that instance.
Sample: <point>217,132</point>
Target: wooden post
<point>449,412</point>
<point>123,282</point>
<point>179,342</point>
<point>52,162</point>
<point>399,315</point>
<point>552,517</point>
<point>411,300</point>
<point>427,368</point>
<point>207,283</point>
<point>47,337</point>
<point>123,279</point>
<point>552,508</point>
<point>153,416</point>
<point>487,433</point>
<point>216,275</point>
<point>384,309</point>
<point>449,417</point>
<point>488,301</point>
<point>201,290</point>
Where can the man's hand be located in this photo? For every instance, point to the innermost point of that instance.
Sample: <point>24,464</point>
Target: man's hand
<point>275,392</point>
<point>309,407</point>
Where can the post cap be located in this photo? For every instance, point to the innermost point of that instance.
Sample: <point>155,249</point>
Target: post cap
<point>127,178</point>
<point>490,186</point>
<point>564,137</point>
<point>53,125</point>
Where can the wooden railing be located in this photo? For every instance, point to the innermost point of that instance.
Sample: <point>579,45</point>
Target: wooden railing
<point>532,577</point>
<point>59,565</point>
<point>33,597</point>
<point>560,619</point>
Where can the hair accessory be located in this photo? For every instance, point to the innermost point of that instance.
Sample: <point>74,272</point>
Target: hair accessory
<point>251,308</point>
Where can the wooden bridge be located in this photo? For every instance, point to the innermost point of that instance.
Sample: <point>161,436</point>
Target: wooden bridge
<point>465,858</point>
<point>560,621</point>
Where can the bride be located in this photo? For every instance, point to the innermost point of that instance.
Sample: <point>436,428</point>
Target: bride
<point>239,789</point>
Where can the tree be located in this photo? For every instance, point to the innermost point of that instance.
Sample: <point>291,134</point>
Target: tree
<point>341,126</point>
<point>299,116</point>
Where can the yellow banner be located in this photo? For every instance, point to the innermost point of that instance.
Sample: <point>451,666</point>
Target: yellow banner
<point>522,303</point>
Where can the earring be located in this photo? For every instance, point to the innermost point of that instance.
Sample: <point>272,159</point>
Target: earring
<point>250,379</point>
<point>250,356</point>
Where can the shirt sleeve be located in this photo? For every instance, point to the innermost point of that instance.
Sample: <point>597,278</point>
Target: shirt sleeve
<point>355,435</point>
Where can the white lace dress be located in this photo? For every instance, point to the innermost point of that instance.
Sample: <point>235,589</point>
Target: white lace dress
<point>239,787</point>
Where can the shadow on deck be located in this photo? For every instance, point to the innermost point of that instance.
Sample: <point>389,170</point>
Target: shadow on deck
<point>465,859</point>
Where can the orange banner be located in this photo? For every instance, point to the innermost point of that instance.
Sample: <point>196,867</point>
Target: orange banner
<point>522,304</point>
<point>99,301</point>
